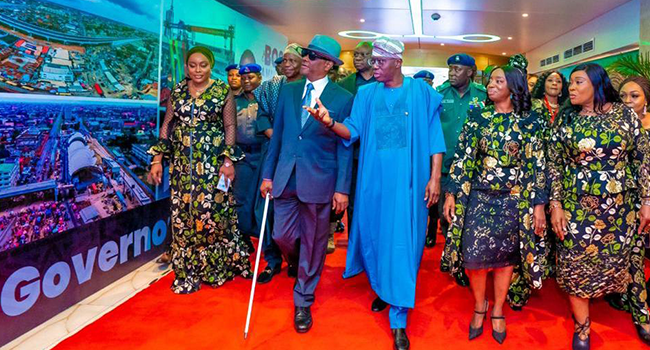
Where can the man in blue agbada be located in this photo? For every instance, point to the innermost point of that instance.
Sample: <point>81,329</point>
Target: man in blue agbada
<point>397,122</point>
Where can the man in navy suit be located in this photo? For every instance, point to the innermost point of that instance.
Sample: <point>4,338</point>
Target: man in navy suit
<point>308,171</point>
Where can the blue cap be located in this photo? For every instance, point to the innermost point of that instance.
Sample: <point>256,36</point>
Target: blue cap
<point>231,67</point>
<point>462,59</point>
<point>278,60</point>
<point>250,68</point>
<point>424,74</point>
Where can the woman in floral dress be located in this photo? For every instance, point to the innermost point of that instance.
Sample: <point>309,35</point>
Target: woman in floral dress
<point>550,91</point>
<point>598,174</point>
<point>635,93</point>
<point>496,197</point>
<point>198,138</point>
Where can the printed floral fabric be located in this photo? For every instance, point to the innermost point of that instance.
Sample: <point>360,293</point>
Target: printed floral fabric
<point>502,153</point>
<point>635,301</point>
<point>519,291</point>
<point>597,171</point>
<point>206,245</point>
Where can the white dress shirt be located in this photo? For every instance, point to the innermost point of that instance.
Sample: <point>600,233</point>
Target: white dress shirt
<point>319,86</point>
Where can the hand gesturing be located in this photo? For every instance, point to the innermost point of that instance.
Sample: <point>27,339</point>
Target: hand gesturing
<point>321,114</point>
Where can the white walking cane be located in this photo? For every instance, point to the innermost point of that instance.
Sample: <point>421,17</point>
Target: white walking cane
<point>257,264</point>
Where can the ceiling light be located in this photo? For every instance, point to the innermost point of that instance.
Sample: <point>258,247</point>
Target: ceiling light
<point>471,38</point>
<point>503,53</point>
<point>362,20</point>
<point>442,44</point>
<point>416,16</point>
<point>509,38</point>
<point>524,15</point>
<point>370,35</point>
<point>416,20</point>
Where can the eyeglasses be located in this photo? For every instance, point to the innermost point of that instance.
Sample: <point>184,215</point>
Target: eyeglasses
<point>379,61</point>
<point>312,55</point>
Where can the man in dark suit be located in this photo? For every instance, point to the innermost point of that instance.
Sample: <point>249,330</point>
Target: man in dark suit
<point>308,171</point>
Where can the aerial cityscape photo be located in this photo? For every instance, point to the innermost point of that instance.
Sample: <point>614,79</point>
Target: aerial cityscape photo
<point>67,48</point>
<point>80,98</point>
<point>65,164</point>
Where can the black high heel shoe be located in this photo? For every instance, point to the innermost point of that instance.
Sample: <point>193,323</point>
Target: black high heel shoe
<point>500,337</point>
<point>643,334</point>
<point>475,332</point>
<point>581,329</point>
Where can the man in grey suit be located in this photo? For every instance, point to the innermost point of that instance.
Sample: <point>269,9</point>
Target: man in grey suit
<point>308,171</point>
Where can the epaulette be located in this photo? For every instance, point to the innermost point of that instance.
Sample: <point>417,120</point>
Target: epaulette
<point>444,86</point>
<point>479,86</point>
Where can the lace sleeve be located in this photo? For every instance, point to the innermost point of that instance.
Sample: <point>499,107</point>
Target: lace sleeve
<point>163,146</point>
<point>229,112</point>
<point>230,120</point>
<point>166,129</point>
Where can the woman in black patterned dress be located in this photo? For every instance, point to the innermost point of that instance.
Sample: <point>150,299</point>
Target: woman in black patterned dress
<point>198,138</point>
<point>495,201</point>
<point>635,93</point>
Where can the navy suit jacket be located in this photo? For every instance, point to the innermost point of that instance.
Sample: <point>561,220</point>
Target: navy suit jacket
<point>322,163</point>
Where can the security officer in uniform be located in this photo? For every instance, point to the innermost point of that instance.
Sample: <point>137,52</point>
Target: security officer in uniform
<point>251,143</point>
<point>234,79</point>
<point>426,76</point>
<point>460,94</point>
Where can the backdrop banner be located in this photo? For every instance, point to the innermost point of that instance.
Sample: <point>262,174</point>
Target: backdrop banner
<point>41,279</point>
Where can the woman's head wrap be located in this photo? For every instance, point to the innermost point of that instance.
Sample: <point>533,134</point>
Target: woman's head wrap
<point>202,50</point>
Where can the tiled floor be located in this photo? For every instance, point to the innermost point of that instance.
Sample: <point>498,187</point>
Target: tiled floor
<point>70,321</point>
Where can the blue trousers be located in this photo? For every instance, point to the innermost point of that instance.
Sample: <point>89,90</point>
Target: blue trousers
<point>301,231</point>
<point>397,316</point>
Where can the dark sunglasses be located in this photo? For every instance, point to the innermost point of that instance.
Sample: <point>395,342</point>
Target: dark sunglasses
<point>313,55</point>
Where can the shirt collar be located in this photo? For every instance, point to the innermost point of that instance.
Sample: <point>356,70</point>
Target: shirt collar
<point>319,84</point>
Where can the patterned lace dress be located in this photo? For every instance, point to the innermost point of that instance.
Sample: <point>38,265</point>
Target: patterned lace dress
<point>196,135</point>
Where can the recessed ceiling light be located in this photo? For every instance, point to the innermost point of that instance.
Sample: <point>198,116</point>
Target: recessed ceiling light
<point>362,20</point>
<point>524,15</point>
<point>509,38</point>
<point>442,44</point>
<point>503,53</point>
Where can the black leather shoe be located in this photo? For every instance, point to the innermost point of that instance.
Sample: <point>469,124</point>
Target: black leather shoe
<point>378,305</point>
<point>616,301</point>
<point>267,275</point>
<point>401,341</point>
<point>579,344</point>
<point>462,279</point>
<point>292,271</point>
<point>643,334</point>
<point>302,321</point>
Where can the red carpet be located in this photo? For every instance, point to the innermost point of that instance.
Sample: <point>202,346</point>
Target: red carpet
<point>214,318</point>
